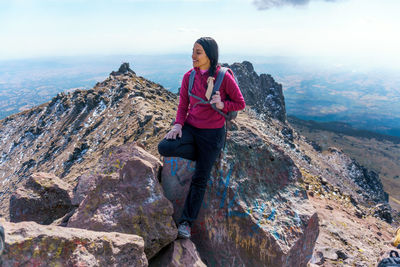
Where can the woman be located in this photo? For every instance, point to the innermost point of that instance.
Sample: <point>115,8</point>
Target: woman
<point>198,132</point>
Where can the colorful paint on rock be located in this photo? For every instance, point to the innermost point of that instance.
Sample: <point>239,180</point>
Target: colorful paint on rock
<point>253,213</point>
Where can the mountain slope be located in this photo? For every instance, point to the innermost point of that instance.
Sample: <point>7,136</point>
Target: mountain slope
<point>68,135</point>
<point>377,152</point>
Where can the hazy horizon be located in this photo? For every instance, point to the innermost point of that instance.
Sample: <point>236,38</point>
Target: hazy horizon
<point>362,33</point>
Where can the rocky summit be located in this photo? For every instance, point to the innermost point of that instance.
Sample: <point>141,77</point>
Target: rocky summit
<point>85,168</point>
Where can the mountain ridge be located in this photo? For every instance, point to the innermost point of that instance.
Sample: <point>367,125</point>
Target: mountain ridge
<point>68,135</point>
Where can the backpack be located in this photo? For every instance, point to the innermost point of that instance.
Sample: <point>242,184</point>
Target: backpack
<point>221,74</point>
<point>392,261</point>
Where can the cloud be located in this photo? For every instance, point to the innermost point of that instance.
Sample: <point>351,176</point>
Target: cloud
<point>267,4</point>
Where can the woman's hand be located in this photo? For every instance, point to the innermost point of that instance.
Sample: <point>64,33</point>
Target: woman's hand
<point>216,99</point>
<point>175,131</point>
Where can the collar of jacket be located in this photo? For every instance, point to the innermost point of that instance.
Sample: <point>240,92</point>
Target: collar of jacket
<point>197,69</point>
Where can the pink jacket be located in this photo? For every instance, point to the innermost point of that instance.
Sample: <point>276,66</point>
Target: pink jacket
<point>203,115</point>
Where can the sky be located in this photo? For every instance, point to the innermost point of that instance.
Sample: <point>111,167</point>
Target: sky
<point>344,31</point>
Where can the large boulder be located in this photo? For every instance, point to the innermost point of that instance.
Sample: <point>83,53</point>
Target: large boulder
<point>31,244</point>
<point>126,197</point>
<point>180,253</point>
<point>43,198</point>
<point>254,213</point>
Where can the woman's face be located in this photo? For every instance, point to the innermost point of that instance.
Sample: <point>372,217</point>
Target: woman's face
<point>200,59</point>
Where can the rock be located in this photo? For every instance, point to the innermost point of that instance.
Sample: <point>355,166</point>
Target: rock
<point>329,253</point>
<point>317,258</point>
<point>384,212</point>
<point>127,198</point>
<point>123,69</point>
<point>341,255</point>
<point>360,214</point>
<point>43,198</point>
<point>86,183</point>
<point>31,244</point>
<point>328,207</point>
<point>262,93</point>
<point>253,214</point>
<point>181,252</point>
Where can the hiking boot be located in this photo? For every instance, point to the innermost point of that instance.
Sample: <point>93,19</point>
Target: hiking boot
<point>184,230</point>
<point>1,239</point>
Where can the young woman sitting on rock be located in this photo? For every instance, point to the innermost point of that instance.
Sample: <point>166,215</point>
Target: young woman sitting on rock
<point>198,132</point>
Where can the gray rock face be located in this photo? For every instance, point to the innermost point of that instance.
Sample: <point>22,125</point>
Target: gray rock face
<point>261,92</point>
<point>126,197</point>
<point>365,185</point>
<point>31,244</point>
<point>42,198</point>
<point>253,213</point>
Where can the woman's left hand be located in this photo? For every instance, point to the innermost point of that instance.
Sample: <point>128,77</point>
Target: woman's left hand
<point>216,99</point>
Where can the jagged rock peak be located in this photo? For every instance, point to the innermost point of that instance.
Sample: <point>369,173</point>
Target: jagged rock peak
<point>123,69</point>
<point>261,92</point>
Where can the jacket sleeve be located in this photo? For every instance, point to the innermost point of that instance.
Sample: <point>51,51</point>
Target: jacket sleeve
<point>236,101</point>
<point>183,106</point>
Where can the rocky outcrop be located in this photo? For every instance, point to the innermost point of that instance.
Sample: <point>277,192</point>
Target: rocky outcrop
<point>261,92</point>
<point>42,198</point>
<point>68,135</point>
<point>31,244</point>
<point>253,213</point>
<point>123,69</point>
<point>180,253</point>
<point>126,197</point>
<point>363,185</point>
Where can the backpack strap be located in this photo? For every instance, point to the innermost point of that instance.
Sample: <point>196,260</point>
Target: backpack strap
<point>220,77</point>
<point>191,82</point>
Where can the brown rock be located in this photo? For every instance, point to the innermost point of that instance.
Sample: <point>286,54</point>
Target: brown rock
<point>31,244</point>
<point>43,198</point>
<point>128,198</point>
<point>180,253</point>
<point>253,213</point>
<point>86,183</point>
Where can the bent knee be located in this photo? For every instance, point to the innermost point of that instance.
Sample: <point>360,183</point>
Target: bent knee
<point>162,148</point>
<point>165,148</point>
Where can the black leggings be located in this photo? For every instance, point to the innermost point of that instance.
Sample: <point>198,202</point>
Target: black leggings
<point>202,146</point>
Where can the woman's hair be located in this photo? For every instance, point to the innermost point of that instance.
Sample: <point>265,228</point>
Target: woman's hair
<point>211,48</point>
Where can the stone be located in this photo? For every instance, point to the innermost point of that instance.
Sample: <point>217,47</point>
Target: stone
<point>123,69</point>
<point>329,253</point>
<point>341,255</point>
<point>127,198</point>
<point>86,183</point>
<point>181,252</point>
<point>43,198</point>
<point>32,244</point>
<point>384,212</point>
<point>253,213</point>
<point>317,258</point>
<point>261,92</point>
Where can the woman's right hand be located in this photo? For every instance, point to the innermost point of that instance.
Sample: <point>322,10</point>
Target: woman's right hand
<point>175,131</point>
